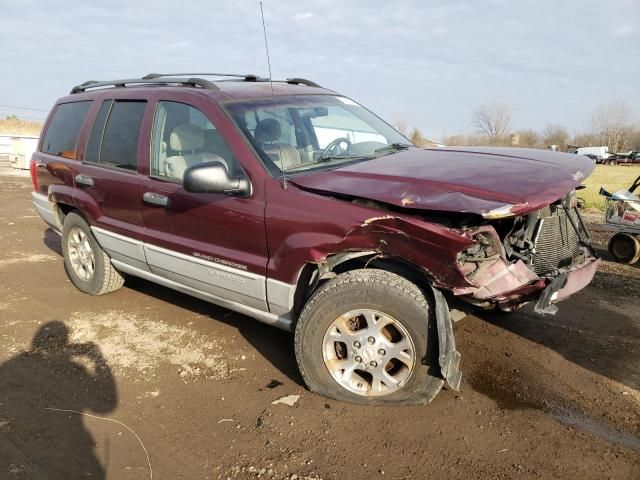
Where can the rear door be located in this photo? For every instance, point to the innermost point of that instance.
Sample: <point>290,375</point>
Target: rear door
<point>213,243</point>
<point>107,182</point>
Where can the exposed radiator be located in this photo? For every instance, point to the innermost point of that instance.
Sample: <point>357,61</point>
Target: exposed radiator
<point>556,241</point>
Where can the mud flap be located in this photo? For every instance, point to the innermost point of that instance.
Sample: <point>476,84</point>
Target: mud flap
<point>448,356</point>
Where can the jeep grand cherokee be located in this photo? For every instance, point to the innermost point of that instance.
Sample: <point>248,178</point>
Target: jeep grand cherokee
<point>298,207</point>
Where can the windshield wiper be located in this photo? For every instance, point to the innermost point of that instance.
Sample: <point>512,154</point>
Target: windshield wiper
<point>394,147</point>
<point>338,157</point>
<point>328,159</point>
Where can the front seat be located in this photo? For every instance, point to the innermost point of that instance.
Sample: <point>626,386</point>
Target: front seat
<point>187,139</point>
<point>266,135</point>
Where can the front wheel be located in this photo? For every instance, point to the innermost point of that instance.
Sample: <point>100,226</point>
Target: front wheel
<point>367,336</point>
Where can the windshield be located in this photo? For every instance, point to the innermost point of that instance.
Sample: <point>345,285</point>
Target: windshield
<point>313,132</point>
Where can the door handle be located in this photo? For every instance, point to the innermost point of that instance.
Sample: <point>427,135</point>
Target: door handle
<point>84,180</point>
<point>155,199</point>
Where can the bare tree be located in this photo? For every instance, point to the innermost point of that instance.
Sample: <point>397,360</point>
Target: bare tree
<point>493,122</point>
<point>586,140</point>
<point>457,139</point>
<point>634,141</point>
<point>613,124</point>
<point>400,124</point>
<point>417,138</point>
<point>555,135</point>
<point>527,138</point>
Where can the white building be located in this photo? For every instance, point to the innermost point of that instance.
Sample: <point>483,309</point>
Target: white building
<point>19,148</point>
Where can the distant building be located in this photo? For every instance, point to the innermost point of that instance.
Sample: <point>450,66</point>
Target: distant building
<point>18,149</point>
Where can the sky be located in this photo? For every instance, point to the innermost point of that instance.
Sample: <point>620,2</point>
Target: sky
<point>431,62</point>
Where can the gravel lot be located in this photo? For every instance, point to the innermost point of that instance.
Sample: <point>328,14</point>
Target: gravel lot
<point>193,384</point>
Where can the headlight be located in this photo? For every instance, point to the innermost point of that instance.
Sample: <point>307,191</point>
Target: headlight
<point>501,212</point>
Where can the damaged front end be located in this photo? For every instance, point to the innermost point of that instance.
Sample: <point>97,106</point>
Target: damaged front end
<point>544,255</point>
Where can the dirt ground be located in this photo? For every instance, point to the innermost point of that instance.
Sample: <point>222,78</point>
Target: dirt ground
<point>156,372</point>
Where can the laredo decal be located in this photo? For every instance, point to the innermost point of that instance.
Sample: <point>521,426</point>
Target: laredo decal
<point>226,276</point>
<point>221,261</point>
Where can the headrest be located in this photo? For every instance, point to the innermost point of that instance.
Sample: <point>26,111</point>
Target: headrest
<point>186,137</point>
<point>267,130</point>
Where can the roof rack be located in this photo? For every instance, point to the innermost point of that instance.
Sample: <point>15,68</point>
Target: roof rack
<point>173,78</point>
<point>249,77</point>
<point>302,81</point>
<point>200,82</point>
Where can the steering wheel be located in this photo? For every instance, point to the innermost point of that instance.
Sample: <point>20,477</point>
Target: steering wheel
<point>333,145</point>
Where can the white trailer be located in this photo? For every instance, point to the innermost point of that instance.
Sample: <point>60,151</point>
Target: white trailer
<point>601,152</point>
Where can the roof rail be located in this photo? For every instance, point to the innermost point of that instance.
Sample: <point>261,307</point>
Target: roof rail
<point>200,82</point>
<point>302,81</point>
<point>250,77</point>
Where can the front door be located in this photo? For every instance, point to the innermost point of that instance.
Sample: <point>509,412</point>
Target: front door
<point>212,243</point>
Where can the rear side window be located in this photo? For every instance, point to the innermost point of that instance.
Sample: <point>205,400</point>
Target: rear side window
<point>114,136</point>
<point>92,153</point>
<point>62,134</point>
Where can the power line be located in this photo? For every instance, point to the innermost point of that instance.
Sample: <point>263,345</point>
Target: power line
<point>24,108</point>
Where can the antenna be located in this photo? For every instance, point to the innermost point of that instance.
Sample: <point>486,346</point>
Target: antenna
<point>273,98</point>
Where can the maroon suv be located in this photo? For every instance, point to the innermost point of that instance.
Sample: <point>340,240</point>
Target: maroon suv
<point>296,206</point>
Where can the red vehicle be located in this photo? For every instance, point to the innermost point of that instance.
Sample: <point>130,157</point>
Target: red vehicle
<point>296,206</point>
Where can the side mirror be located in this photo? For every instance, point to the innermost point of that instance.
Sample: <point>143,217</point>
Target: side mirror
<point>212,177</point>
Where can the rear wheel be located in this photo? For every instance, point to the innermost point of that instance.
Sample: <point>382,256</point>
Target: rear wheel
<point>87,265</point>
<point>367,337</point>
<point>624,248</point>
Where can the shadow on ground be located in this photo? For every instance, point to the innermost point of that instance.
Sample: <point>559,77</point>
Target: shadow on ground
<point>275,345</point>
<point>38,439</point>
<point>596,331</point>
<point>52,241</point>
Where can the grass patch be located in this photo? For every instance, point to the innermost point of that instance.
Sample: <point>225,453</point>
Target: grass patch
<point>17,126</point>
<point>612,178</point>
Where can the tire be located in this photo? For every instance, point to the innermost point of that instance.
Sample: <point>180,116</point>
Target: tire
<point>357,300</point>
<point>88,266</point>
<point>624,248</point>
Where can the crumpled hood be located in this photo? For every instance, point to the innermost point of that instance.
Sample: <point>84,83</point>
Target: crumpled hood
<point>486,181</point>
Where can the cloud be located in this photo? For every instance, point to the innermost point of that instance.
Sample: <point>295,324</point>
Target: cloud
<point>303,17</point>
<point>433,61</point>
<point>625,29</point>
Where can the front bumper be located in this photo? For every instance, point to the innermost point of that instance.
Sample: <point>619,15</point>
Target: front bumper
<point>564,285</point>
<point>510,286</point>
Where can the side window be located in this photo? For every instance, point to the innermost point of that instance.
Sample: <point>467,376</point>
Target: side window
<point>114,135</point>
<point>183,136</point>
<point>61,136</point>
<point>92,152</point>
<point>119,145</point>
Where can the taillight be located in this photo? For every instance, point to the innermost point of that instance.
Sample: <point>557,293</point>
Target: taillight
<point>34,177</point>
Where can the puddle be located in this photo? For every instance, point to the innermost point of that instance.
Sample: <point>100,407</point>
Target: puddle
<point>597,429</point>
<point>512,392</point>
<point>503,386</point>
